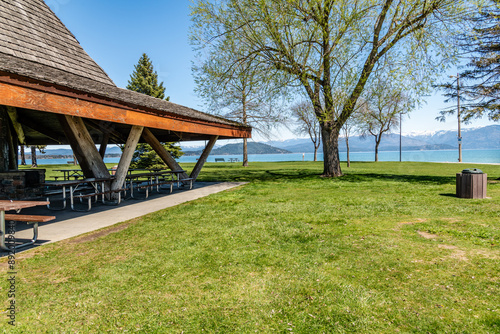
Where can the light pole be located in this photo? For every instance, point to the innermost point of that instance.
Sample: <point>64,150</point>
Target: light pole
<point>400,134</point>
<point>458,117</point>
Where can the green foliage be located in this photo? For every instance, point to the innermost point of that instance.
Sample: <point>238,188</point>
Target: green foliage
<point>145,80</point>
<point>146,158</point>
<point>480,83</point>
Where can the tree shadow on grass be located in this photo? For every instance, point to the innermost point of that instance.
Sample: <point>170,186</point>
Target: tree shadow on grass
<point>298,174</point>
<point>423,179</point>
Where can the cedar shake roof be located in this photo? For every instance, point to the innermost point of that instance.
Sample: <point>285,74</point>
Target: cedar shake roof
<point>37,51</point>
<point>31,31</point>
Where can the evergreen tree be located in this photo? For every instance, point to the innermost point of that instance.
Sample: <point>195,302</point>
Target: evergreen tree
<point>145,80</point>
<point>480,84</point>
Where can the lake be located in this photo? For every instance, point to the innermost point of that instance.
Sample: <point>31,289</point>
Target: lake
<point>479,156</point>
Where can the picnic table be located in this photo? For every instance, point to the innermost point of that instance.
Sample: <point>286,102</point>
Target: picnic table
<point>154,179</point>
<point>89,188</point>
<point>9,205</point>
<point>70,173</point>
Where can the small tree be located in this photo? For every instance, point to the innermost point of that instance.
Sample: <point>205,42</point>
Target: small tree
<point>241,91</point>
<point>382,112</point>
<point>307,124</point>
<point>144,80</point>
<point>347,128</point>
<point>146,158</point>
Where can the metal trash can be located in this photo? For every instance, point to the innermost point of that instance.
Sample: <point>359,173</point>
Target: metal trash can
<point>471,183</point>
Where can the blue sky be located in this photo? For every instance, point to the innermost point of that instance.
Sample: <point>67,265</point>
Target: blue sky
<point>115,33</point>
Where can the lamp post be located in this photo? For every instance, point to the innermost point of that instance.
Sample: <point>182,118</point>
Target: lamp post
<point>458,117</point>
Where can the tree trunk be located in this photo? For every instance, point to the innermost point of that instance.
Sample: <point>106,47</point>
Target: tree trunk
<point>23,156</point>
<point>34,163</point>
<point>316,153</point>
<point>348,156</point>
<point>377,143</point>
<point>331,161</point>
<point>245,153</point>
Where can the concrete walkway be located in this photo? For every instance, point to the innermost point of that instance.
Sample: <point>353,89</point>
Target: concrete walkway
<point>69,223</point>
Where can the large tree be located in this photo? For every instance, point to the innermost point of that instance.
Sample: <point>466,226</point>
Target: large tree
<point>239,90</point>
<point>144,79</point>
<point>330,45</point>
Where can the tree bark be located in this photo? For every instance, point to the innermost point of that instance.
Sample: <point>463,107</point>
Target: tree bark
<point>377,143</point>
<point>245,152</point>
<point>34,163</point>
<point>316,153</point>
<point>23,156</point>
<point>331,160</point>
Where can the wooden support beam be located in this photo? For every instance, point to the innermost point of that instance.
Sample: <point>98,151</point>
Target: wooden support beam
<point>35,98</point>
<point>126,158</point>
<point>104,144</point>
<point>4,140</point>
<point>83,147</point>
<point>17,126</point>
<point>13,147</point>
<point>106,127</point>
<point>203,158</point>
<point>150,138</point>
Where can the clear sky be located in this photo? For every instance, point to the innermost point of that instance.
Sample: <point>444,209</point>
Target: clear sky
<point>115,33</point>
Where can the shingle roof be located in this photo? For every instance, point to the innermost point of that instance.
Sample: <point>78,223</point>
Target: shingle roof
<point>35,44</point>
<point>30,30</point>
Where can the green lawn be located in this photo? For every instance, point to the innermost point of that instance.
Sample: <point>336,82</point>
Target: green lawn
<point>386,248</point>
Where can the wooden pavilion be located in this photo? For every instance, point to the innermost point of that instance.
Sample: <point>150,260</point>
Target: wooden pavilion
<point>52,92</point>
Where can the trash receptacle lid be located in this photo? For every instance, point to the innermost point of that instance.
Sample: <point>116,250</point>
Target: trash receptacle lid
<point>472,171</point>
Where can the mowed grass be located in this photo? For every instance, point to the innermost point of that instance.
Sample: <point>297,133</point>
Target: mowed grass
<point>386,248</point>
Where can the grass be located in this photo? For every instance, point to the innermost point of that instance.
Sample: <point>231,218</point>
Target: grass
<point>386,248</point>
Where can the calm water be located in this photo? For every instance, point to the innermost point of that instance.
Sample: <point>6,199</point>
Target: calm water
<point>480,156</point>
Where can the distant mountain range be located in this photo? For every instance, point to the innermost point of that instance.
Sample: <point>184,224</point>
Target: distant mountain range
<point>487,137</point>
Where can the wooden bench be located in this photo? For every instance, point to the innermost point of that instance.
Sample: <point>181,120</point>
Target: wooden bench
<point>188,179</point>
<point>96,194</point>
<point>30,219</point>
<point>220,160</point>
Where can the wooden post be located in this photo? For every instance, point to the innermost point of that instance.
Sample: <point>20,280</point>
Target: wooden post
<point>104,144</point>
<point>203,158</point>
<point>4,140</point>
<point>126,158</point>
<point>13,152</point>
<point>150,138</point>
<point>18,128</point>
<point>83,147</point>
